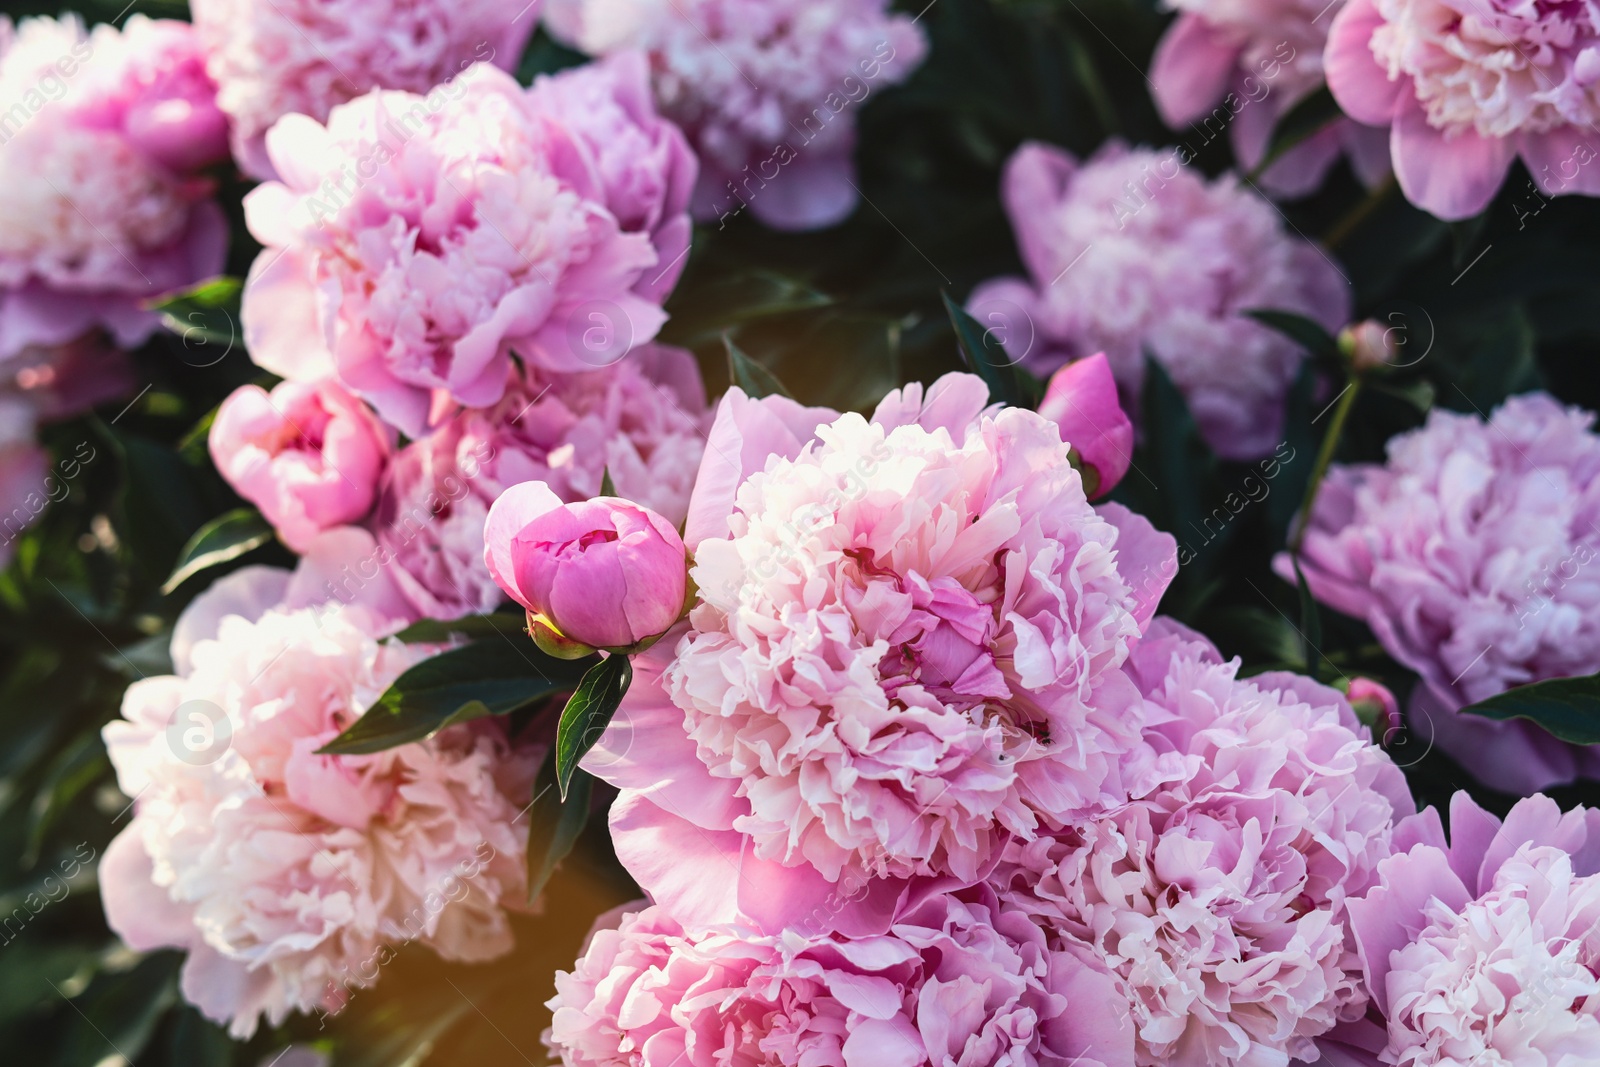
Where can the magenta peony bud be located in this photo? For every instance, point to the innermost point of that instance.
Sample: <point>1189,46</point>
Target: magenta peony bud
<point>1082,401</point>
<point>606,572</point>
<point>309,456</point>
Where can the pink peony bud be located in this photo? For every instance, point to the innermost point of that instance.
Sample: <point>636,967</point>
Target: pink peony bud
<point>1368,345</point>
<point>1082,401</point>
<point>1374,705</point>
<point>308,455</point>
<point>606,572</point>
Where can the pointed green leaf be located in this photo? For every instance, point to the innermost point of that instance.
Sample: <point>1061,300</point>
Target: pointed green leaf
<point>473,627</point>
<point>756,380</point>
<point>224,538</point>
<point>204,314</point>
<point>1303,331</point>
<point>1305,120</point>
<point>588,713</point>
<point>1567,708</point>
<point>1008,384</point>
<point>607,486</point>
<point>492,677</point>
<point>554,824</point>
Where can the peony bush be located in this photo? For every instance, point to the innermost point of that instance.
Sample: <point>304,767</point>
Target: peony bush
<point>744,533</point>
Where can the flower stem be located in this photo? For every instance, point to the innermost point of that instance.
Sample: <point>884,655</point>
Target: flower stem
<point>1342,229</point>
<point>1330,441</point>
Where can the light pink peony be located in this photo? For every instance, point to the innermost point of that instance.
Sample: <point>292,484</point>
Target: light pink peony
<point>643,419</point>
<point>103,210</point>
<point>766,89</point>
<point>1218,899</point>
<point>308,455</point>
<point>1133,252</point>
<point>1485,950</point>
<point>1242,65</point>
<point>1081,400</point>
<point>308,56</point>
<point>289,877</point>
<point>605,572</point>
<point>906,653</point>
<point>1469,86</point>
<point>956,982</point>
<point>415,243</point>
<point>1472,555</point>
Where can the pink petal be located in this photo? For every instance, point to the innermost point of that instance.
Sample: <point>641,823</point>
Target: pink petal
<point>1453,177</point>
<point>1191,69</point>
<point>1361,87</point>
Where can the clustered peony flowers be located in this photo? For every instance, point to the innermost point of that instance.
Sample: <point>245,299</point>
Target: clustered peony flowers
<point>1132,252</point>
<point>415,243</point>
<point>905,654</point>
<point>1469,554</point>
<point>103,137</point>
<point>765,89</point>
<point>1245,64</point>
<point>305,57</point>
<point>287,876</point>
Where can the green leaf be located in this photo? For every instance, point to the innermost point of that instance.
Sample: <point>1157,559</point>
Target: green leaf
<point>493,677</point>
<point>227,537</point>
<point>208,313</point>
<point>1303,331</point>
<point>554,825</point>
<point>1310,623</point>
<point>1304,121</point>
<point>607,486</point>
<point>588,713</point>
<point>756,380</point>
<point>472,627</point>
<point>1008,384</point>
<point>1566,708</point>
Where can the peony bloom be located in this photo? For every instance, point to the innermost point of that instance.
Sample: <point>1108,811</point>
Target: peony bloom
<point>766,90</point>
<point>308,56</point>
<point>605,573</point>
<point>1469,87</point>
<point>1169,261</point>
<point>415,243</point>
<point>309,456</point>
<point>642,419</point>
<point>1218,900</point>
<point>1081,400</point>
<point>1485,950</point>
<point>954,983</point>
<point>103,209</point>
<point>905,654</point>
<point>1244,65</point>
<point>286,876</point>
<point>1470,554</point>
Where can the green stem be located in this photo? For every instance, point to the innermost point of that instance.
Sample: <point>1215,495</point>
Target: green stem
<point>1330,442</point>
<point>1357,215</point>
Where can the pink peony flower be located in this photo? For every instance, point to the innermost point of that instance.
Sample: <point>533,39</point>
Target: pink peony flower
<point>1218,899</point>
<point>1081,400</point>
<point>1469,554</point>
<point>955,983</point>
<point>605,573</point>
<point>766,90</point>
<point>1469,87</point>
<point>308,56</point>
<point>1485,950</point>
<point>642,419</point>
<point>1244,66</point>
<point>416,243</point>
<point>286,876</point>
<point>309,456</point>
<point>645,165</point>
<point>103,210</point>
<point>1133,253</point>
<point>906,653</point>
<point>1375,704</point>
